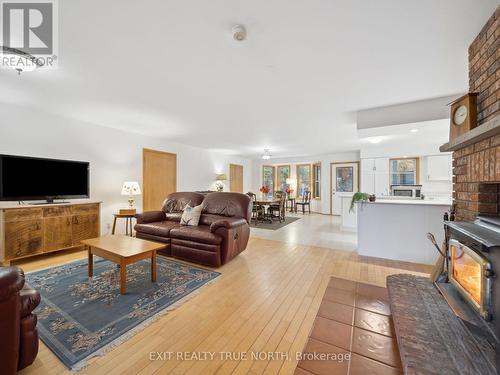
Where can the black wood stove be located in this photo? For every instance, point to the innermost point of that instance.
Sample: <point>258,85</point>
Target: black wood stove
<point>473,286</point>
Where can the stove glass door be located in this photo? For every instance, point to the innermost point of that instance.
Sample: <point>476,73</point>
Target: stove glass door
<point>467,271</point>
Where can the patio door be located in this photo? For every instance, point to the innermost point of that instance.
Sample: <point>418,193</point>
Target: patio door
<point>344,183</point>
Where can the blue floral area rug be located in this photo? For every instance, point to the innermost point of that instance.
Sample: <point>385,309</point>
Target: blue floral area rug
<point>80,317</point>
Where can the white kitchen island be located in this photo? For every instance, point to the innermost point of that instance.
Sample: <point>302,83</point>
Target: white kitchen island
<point>396,229</point>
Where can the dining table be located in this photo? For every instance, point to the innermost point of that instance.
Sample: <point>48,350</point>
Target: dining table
<point>267,201</point>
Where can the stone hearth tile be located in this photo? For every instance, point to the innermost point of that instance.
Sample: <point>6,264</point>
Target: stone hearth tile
<point>373,291</point>
<point>336,311</point>
<point>324,367</point>
<point>346,297</point>
<point>343,284</point>
<point>365,366</point>
<point>332,332</point>
<point>375,346</point>
<point>373,304</point>
<point>374,322</point>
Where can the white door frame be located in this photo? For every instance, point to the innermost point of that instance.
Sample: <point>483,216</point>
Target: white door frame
<point>331,179</point>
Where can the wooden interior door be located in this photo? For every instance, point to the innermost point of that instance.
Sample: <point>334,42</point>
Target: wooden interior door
<point>236,178</point>
<point>159,178</point>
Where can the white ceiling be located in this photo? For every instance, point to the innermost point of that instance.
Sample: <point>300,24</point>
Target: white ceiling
<point>171,68</point>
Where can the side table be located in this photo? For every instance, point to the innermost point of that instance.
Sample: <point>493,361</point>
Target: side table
<point>128,223</point>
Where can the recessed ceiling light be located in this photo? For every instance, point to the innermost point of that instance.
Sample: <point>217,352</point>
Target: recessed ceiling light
<point>375,140</point>
<point>414,130</point>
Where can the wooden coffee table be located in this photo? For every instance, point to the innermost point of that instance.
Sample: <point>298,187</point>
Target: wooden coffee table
<point>122,250</point>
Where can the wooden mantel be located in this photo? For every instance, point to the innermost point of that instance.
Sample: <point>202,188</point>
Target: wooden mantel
<point>486,130</point>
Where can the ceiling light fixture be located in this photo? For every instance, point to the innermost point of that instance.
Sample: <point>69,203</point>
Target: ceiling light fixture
<point>239,33</point>
<point>19,60</point>
<point>414,130</point>
<point>267,154</point>
<point>375,140</point>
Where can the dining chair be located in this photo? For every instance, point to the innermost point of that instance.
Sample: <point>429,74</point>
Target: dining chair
<point>306,201</point>
<point>277,211</point>
<point>257,210</point>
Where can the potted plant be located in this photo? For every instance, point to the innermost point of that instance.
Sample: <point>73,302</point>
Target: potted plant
<point>358,197</point>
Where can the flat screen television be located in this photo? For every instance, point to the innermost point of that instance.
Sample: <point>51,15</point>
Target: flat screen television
<point>28,178</point>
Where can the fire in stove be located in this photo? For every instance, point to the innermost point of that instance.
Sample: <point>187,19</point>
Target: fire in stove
<point>468,274</point>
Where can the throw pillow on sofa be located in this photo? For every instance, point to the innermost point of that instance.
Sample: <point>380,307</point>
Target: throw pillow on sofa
<point>191,215</point>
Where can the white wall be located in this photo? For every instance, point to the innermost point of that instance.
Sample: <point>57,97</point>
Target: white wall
<point>322,205</point>
<point>115,156</point>
<point>401,149</point>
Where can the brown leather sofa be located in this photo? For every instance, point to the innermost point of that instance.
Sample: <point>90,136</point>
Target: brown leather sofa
<point>221,235</point>
<point>18,333</point>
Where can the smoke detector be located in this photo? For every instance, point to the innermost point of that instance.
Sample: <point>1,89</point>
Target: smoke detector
<point>239,33</point>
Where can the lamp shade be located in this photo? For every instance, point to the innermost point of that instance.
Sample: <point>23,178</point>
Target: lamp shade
<point>131,188</point>
<point>221,177</point>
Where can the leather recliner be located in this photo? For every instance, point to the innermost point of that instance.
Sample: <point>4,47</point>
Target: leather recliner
<point>222,233</point>
<point>18,332</point>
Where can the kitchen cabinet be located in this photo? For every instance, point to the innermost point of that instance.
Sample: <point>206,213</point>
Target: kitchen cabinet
<point>439,167</point>
<point>375,176</point>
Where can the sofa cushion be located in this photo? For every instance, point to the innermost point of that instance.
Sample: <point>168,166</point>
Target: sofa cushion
<point>209,219</point>
<point>191,216</point>
<point>176,202</point>
<point>228,204</point>
<point>173,216</point>
<point>200,233</point>
<point>159,228</point>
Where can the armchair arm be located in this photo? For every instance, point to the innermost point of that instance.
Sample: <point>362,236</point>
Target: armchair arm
<point>150,217</point>
<point>11,281</point>
<point>228,223</point>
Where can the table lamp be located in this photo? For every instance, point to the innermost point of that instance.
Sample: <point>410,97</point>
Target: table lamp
<point>291,183</point>
<point>219,184</point>
<point>131,188</point>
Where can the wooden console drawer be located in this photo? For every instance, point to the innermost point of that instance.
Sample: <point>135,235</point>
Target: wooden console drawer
<point>85,209</point>
<point>19,214</point>
<point>85,227</point>
<point>57,233</point>
<point>57,211</point>
<point>32,230</point>
<point>23,238</point>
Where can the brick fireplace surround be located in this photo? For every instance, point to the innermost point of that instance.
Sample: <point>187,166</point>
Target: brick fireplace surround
<point>476,168</point>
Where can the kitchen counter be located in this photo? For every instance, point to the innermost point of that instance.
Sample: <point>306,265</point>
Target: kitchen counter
<point>420,202</point>
<point>396,229</point>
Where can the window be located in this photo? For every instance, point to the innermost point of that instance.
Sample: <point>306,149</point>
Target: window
<point>268,177</point>
<point>303,179</point>
<point>316,193</point>
<point>282,175</point>
<point>344,179</point>
<point>404,171</point>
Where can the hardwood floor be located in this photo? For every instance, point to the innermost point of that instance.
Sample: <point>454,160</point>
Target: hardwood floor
<point>311,229</point>
<point>265,301</point>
